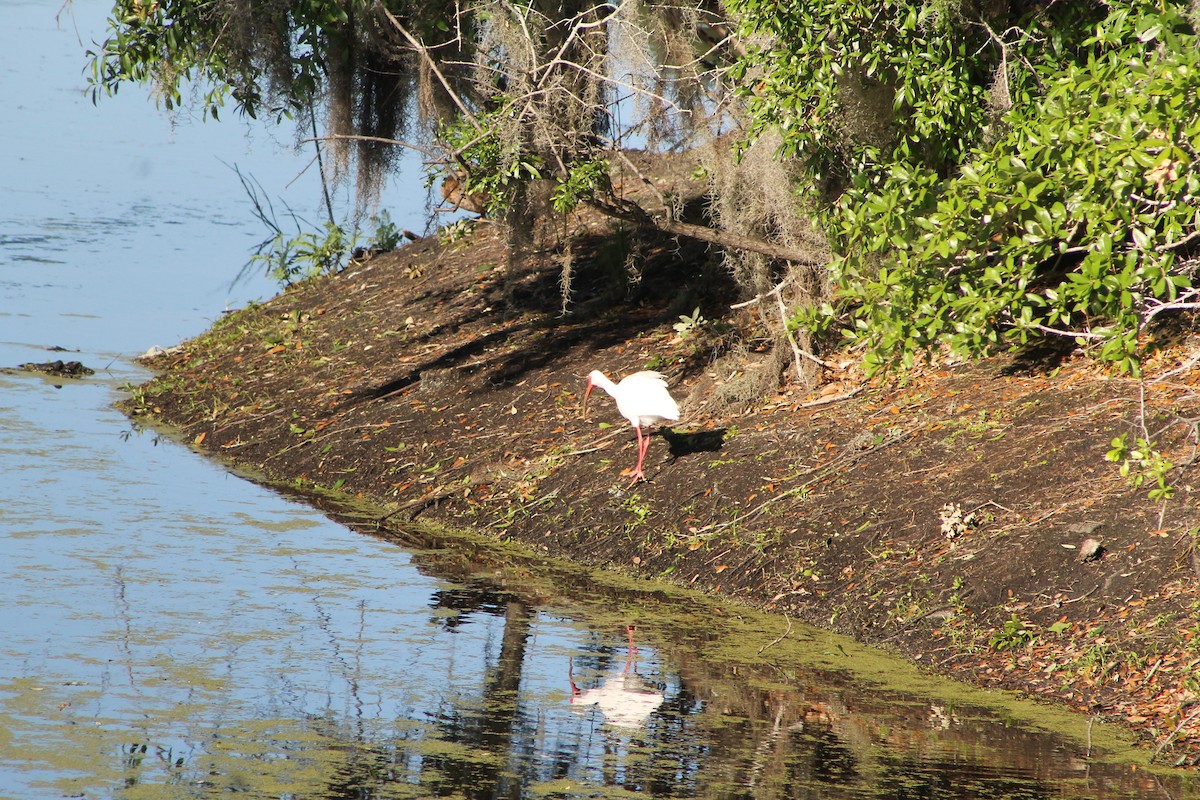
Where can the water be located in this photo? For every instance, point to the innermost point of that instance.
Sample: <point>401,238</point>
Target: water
<point>171,630</point>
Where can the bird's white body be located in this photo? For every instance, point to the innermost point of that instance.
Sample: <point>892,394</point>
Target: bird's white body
<point>643,399</point>
<point>624,698</point>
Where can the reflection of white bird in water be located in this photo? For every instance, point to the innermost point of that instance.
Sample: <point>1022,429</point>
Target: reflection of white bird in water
<point>625,698</point>
<point>643,399</point>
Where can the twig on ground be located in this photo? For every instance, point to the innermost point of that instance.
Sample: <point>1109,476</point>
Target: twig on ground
<point>1185,367</point>
<point>781,636</point>
<point>822,472</point>
<point>824,401</point>
<point>1048,515</point>
<point>1162,746</point>
<point>419,504</point>
<point>1086,594</point>
<point>995,505</point>
<point>598,444</point>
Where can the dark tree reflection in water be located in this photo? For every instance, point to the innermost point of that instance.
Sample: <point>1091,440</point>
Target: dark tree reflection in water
<point>630,721</point>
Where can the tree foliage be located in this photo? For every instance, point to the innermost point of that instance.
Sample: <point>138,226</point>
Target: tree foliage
<point>995,176</point>
<point>515,91</point>
<point>987,173</point>
<point>340,61</point>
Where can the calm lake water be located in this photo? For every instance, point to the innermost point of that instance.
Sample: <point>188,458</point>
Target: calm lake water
<point>172,630</point>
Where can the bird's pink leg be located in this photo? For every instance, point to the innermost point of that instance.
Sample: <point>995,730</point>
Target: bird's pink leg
<point>643,443</point>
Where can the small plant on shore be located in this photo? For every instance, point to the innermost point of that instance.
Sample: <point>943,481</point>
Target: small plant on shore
<point>456,232</point>
<point>906,608</point>
<point>1142,463</point>
<point>312,251</point>
<point>137,398</point>
<point>309,252</point>
<point>690,324</point>
<point>638,508</point>
<point>387,234</point>
<point>1013,635</point>
<point>287,332</point>
<point>143,397</point>
<point>305,255</point>
<point>958,603</point>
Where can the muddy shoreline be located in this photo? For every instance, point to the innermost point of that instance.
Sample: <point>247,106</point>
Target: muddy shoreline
<point>962,515</point>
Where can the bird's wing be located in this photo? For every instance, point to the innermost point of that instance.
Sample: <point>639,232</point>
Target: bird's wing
<point>648,375</point>
<point>646,399</point>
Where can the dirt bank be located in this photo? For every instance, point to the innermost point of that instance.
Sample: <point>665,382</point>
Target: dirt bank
<point>947,516</point>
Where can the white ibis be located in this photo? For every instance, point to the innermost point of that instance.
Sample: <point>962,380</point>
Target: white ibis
<point>643,399</point>
<point>625,698</point>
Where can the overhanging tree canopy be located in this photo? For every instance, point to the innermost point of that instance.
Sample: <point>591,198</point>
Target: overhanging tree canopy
<point>988,172</point>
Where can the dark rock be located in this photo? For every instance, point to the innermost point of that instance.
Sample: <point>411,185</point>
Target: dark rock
<point>1091,550</point>
<point>60,369</point>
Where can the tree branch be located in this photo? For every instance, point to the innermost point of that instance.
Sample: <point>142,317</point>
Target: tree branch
<point>424,51</point>
<point>797,351</point>
<point>1184,302</point>
<point>1069,334</point>
<point>737,241</point>
<point>380,139</point>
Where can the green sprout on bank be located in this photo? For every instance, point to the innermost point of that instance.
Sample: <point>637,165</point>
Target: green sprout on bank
<point>690,323</point>
<point>1013,635</point>
<point>305,255</point>
<point>311,250</point>
<point>1141,464</point>
<point>310,253</point>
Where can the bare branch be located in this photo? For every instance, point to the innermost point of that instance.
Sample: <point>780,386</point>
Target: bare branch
<point>424,51</point>
<point>524,27</point>
<point>380,139</point>
<point>614,82</point>
<point>1163,248</point>
<point>645,181</point>
<point>1068,334</point>
<point>579,25</point>
<point>759,298</point>
<point>797,353</point>
<point>1183,303</point>
<point>638,215</point>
